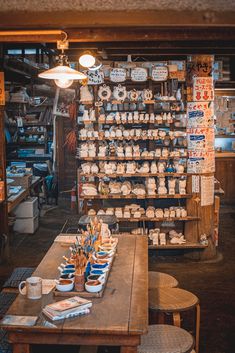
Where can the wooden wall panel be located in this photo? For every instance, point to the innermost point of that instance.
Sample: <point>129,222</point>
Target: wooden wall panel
<point>225,173</point>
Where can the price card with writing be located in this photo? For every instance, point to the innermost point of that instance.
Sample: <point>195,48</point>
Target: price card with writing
<point>118,75</point>
<point>207,190</point>
<point>139,74</point>
<point>201,139</point>
<point>203,89</point>
<point>201,162</point>
<point>200,114</point>
<point>160,73</point>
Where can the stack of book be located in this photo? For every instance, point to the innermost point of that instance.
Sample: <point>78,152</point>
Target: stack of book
<point>66,308</point>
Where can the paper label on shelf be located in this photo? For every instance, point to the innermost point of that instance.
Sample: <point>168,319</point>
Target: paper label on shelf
<point>200,114</point>
<point>2,89</point>
<point>201,139</point>
<point>207,190</point>
<point>118,75</point>
<point>203,89</point>
<point>201,162</point>
<point>139,74</point>
<point>195,183</point>
<point>160,73</point>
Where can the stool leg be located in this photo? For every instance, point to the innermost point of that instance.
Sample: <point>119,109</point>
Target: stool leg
<point>161,318</point>
<point>197,327</point>
<point>176,319</point>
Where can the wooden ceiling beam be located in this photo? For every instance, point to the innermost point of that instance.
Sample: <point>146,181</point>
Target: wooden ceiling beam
<point>127,34</point>
<point>119,18</point>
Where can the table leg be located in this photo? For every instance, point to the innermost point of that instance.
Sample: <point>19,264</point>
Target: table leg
<point>197,327</point>
<point>128,349</point>
<point>21,348</point>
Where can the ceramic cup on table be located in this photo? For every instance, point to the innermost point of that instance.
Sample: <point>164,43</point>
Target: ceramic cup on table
<point>103,267</point>
<point>97,272</point>
<point>68,276</point>
<point>33,288</point>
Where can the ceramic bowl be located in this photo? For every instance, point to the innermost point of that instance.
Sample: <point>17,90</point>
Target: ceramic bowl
<point>68,276</point>
<point>100,266</point>
<point>93,286</point>
<point>68,271</point>
<point>97,272</point>
<point>68,266</point>
<point>102,255</point>
<point>64,285</point>
<point>100,278</point>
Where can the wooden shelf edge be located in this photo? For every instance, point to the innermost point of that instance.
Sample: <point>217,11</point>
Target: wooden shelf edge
<point>183,219</point>
<point>113,158</point>
<point>176,196</point>
<point>186,245</point>
<point>143,175</point>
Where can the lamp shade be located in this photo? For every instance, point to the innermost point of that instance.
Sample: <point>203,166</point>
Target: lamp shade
<point>62,72</point>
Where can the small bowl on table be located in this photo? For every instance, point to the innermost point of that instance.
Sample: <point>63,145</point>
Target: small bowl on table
<point>64,285</point>
<point>93,286</point>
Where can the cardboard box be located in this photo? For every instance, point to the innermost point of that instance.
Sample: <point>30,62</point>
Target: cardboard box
<point>24,181</point>
<point>27,208</point>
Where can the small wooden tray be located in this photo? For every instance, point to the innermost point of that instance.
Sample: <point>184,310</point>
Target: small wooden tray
<point>85,294</point>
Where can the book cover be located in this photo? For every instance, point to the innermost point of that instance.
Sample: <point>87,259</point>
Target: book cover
<point>68,304</point>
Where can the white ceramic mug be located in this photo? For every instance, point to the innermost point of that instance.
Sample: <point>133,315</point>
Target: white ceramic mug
<point>33,287</point>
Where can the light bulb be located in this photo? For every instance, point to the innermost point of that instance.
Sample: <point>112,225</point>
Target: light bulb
<point>87,60</point>
<point>63,83</point>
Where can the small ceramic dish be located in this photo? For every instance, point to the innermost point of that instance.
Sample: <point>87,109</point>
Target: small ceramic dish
<point>68,276</point>
<point>100,266</point>
<point>93,286</point>
<point>97,272</point>
<point>100,278</point>
<point>67,266</point>
<point>64,285</point>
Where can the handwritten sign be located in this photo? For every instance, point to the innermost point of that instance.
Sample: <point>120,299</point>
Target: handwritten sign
<point>201,139</point>
<point>118,75</point>
<point>139,74</point>
<point>160,73</point>
<point>200,114</point>
<point>177,70</point>
<point>95,77</point>
<point>207,190</point>
<point>203,89</point>
<point>201,162</point>
<point>2,89</point>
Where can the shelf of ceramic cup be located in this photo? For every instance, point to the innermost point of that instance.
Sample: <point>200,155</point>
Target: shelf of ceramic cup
<point>136,175</point>
<point>157,111</point>
<point>114,158</point>
<point>151,101</point>
<point>145,218</point>
<point>133,196</point>
<point>187,245</point>
<point>129,139</point>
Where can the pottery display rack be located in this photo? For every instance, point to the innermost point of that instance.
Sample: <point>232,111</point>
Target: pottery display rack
<point>189,224</point>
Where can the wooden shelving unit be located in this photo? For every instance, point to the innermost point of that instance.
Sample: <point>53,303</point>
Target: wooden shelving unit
<point>108,200</point>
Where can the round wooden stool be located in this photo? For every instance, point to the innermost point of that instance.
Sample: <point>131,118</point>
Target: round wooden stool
<point>166,339</point>
<point>175,300</point>
<point>161,280</point>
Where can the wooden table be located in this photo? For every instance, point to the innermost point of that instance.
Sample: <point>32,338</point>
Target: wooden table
<point>119,318</point>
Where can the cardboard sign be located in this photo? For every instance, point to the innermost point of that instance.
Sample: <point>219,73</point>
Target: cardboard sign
<point>201,162</point>
<point>207,190</point>
<point>118,75</point>
<point>2,89</point>
<point>139,74</point>
<point>203,89</point>
<point>177,70</point>
<point>200,114</point>
<point>160,73</point>
<point>95,77</point>
<point>201,139</point>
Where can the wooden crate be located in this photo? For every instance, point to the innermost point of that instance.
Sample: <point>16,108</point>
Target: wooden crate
<point>24,181</point>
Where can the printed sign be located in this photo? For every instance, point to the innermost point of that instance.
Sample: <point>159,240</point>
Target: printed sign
<point>160,73</point>
<point>207,190</point>
<point>195,183</point>
<point>201,162</point>
<point>203,89</point>
<point>139,74</point>
<point>118,75</point>
<point>95,77</point>
<point>177,70</point>
<point>201,139</point>
<point>2,89</point>
<point>200,114</point>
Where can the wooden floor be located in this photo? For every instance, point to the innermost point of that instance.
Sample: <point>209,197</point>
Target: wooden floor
<point>212,282</point>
